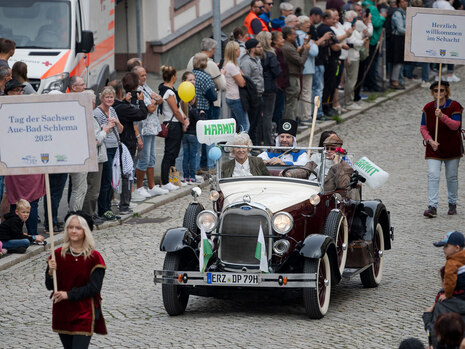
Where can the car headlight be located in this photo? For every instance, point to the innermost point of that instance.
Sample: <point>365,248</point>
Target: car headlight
<point>207,220</point>
<point>56,83</point>
<point>315,199</point>
<point>214,195</point>
<point>282,222</point>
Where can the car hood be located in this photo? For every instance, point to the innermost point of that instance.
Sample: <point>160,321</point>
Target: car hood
<point>275,193</point>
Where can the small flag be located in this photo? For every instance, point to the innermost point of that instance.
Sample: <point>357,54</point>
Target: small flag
<point>260,252</point>
<point>205,251</point>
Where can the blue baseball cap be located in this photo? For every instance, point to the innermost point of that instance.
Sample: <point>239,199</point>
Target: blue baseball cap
<point>455,238</point>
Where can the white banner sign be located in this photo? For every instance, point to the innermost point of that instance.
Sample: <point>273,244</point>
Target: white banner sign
<point>435,36</point>
<point>47,134</point>
<point>215,131</point>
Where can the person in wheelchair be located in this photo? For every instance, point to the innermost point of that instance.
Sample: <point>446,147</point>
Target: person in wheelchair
<point>338,173</point>
<point>287,130</point>
<point>243,165</point>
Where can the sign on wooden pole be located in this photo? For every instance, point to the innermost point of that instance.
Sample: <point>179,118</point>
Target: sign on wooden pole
<point>47,134</point>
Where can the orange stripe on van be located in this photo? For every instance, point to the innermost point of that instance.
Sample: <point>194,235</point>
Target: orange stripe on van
<point>112,12</point>
<point>101,49</point>
<point>111,25</point>
<point>58,67</point>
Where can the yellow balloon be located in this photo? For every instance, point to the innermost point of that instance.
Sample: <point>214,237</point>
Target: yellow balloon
<point>186,91</point>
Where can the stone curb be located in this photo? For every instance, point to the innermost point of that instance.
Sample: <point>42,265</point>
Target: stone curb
<point>326,125</point>
<point>158,201</point>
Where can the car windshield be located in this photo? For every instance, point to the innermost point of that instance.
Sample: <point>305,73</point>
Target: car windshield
<point>238,161</point>
<point>36,24</point>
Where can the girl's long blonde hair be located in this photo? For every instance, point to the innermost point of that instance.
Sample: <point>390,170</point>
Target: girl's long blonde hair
<point>88,245</point>
<point>230,52</point>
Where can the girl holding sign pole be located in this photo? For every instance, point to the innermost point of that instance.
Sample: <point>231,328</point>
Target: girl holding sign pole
<point>441,124</point>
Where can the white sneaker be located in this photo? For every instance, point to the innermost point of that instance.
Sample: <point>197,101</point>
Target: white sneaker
<point>354,106</point>
<point>135,197</point>
<point>156,190</point>
<point>425,84</point>
<point>453,78</point>
<point>199,179</point>
<point>142,192</point>
<point>132,205</point>
<point>169,187</point>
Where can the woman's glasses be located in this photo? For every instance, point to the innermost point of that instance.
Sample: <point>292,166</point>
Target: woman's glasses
<point>330,148</point>
<point>436,90</point>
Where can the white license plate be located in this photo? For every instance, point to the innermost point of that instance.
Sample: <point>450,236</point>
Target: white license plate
<point>232,279</point>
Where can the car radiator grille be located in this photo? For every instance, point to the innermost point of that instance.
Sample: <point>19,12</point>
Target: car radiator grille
<point>239,233</point>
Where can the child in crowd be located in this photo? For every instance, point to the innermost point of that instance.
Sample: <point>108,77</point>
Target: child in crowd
<point>3,251</point>
<point>190,144</point>
<point>11,230</point>
<point>454,269</point>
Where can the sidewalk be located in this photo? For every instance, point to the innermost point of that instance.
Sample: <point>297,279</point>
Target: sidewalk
<point>152,203</point>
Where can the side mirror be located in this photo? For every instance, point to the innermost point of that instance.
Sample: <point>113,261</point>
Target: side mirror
<point>87,42</point>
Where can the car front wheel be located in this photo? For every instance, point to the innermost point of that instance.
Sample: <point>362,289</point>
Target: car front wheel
<point>336,227</point>
<point>372,276</point>
<point>316,300</point>
<point>175,297</point>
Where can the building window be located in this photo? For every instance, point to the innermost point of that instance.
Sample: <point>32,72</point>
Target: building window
<point>180,3</point>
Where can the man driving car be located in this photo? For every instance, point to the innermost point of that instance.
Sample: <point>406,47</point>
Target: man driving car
<point>287,130</point>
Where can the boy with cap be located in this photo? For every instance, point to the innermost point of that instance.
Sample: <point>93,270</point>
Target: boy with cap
<point>454,269</point>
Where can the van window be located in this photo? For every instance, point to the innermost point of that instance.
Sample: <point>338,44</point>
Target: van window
<point>36,24</point>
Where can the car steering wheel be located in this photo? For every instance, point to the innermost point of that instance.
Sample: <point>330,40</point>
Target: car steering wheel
<point>309,171</point>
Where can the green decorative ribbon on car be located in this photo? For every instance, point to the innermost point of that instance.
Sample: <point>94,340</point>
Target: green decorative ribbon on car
<point>260,252</point>
<point>205,251</point>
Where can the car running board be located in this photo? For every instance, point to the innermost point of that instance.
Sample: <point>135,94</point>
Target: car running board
<point>349,273</point>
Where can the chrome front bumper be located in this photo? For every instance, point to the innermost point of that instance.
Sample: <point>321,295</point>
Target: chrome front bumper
<point>217,279</point>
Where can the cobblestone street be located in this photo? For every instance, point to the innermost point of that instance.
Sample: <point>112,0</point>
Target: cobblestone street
<point>388,135</point>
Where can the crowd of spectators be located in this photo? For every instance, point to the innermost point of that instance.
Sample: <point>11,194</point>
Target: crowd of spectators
<point>273,68</point>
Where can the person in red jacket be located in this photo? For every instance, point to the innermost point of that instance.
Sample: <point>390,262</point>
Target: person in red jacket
<point>447,148</point>
<point>253,22</point>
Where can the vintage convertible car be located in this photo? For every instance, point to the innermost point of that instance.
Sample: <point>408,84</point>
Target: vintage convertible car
<point>313,238</point>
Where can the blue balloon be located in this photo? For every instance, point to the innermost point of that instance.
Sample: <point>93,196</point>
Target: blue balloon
<point>214,153</point>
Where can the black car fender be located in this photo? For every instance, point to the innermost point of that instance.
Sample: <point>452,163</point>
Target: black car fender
<point>176,239</point>
<point>316,245</point>
<point>367,215</point>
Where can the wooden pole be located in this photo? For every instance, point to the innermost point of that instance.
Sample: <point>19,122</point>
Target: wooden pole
<point>437,103</point>
<point>316,103</point>
<point>50,227</point>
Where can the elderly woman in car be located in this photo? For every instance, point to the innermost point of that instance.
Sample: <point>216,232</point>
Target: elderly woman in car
<point>243,165</point>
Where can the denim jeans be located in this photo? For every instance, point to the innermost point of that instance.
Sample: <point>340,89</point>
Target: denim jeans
<point>2,183</point>
<point>408,70</point>
<point>57,185</point>
<point>238,113</point>
<point>148,153</point>
<point>434,174</point>
<point>190,161</point>
<point>318,86</point>
<point>14,244</point>
<point>106,191</point>
<point>33,220</point>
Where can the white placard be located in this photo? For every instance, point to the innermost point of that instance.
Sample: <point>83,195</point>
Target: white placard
<point>215,131</point>
<point>47,134</point>
<point>435,36</point>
